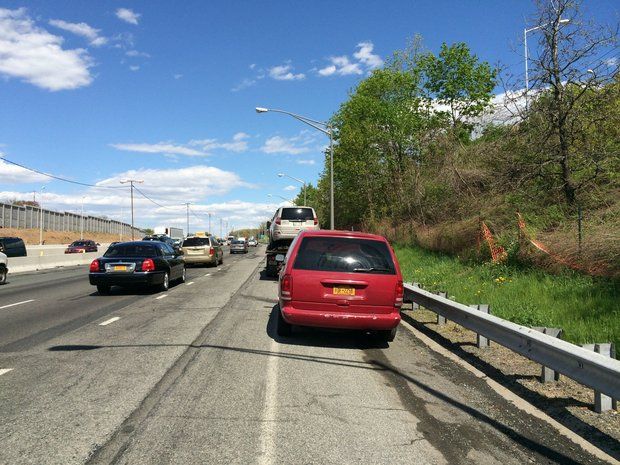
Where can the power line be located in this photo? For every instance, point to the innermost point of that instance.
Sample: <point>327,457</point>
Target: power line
<point>60,178</point>
<point>169,207</point>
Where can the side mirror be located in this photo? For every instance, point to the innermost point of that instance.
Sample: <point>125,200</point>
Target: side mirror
<point>279,258</point>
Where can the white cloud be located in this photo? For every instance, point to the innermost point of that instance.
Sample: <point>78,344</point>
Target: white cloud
<point>278,144</point>
<point>80,29</point>
<point>244,84</point>
<point>194,148</point>
<point>306,162</point>
<point>284,73</point>
<point>136,53</point>
<point>36,56</point>
<point>127,15</point>
<point>134,67</point>
<point>177,76</point>
<point>342,65</point>
<point>290,188</point>
<point>160,147</point>
<point>365,55</point>
<point>11,174</point>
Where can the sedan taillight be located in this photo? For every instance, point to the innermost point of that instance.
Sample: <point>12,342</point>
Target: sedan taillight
<point>211,251</point>
<point>148,265</point>
<point>400,290</point>
<point>94,266</point>
<point>316,221</point>
<point>286,287</point>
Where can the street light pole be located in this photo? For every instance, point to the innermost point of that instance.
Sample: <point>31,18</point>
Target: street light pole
<point>209,222</point>
<point>283,198</point>
<point>298,180</point>
<point>82,220</point>
<point>131,183</point>
<point>325,128</point>
<point>41,217</point>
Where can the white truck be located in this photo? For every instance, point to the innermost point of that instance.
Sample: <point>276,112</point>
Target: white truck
<point>170,231</point>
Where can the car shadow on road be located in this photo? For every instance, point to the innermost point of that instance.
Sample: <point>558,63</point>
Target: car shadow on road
<point>323,337</point>
<point>265,277</point>
<point>529,442</point>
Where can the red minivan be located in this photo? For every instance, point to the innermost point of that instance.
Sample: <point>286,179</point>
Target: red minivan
<point>340,279</point>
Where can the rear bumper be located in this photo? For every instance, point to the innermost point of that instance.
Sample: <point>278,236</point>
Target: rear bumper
<point>342,320</point>
<point>199,258</point>
<point>149,278</point>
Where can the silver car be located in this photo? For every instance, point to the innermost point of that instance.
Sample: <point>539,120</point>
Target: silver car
<point>238,246</point>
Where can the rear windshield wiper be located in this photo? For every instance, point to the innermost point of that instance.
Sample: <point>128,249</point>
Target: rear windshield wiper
<point>371,269</point>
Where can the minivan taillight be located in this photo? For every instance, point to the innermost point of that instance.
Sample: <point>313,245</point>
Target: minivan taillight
<point>286,287</point>
<point>94,266</point>
<point>400,290</point>
<point>316,221</point>
<point>211,251</point>
<point>148,265</point>
<point>278,220</point>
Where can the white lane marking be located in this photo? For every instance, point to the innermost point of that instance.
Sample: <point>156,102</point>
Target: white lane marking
<point>269,425</point>
<point>17,303</point>
<point>111,320</point>
<point>208,274</point>
<point>4,370</point>
<point>161,296</point>
<point>189,283</point>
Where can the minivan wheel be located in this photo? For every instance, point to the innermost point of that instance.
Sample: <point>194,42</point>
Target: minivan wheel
<point>282,327</point>
<point>103,289</point>
<point>387,335</point>
<point>166,283</point>
<point>3,273</point>
<point>183,275</point>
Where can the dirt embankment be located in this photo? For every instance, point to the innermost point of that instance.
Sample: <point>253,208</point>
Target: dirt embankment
<point>31,236</point>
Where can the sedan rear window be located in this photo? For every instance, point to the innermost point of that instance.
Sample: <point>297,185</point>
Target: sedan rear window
<point>237,242</point>
<point>195,241</point>
<point>79,243</point>
<point>132,250</point>
<point>349,255</point>
<point>297,214</point>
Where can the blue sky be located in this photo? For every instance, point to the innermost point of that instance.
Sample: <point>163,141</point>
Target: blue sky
<point>165,92</point>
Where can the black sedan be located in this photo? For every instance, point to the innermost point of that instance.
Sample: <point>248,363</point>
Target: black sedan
<point>150,263</point>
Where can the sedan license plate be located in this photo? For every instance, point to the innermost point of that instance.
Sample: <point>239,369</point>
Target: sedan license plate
<point>340,290</point>
<point>120,268</point>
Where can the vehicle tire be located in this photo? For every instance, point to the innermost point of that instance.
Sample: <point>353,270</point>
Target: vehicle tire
<point>283,328</point>
<point>387,335</point>
<point>3,273</point>
<point>222,259</point>
<point>103,289</point>
<point>165,285</point>
<point>183,276</point>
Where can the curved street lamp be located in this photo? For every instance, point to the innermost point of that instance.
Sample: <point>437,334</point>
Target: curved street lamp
<point>303,183</point>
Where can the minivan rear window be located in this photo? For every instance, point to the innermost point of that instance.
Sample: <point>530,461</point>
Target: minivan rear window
<point>195,241</point>
<point>348,255</point>
<point>132,250</point>
<point>297,214</point>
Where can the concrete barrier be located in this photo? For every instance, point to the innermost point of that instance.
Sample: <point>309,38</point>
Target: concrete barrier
<point>36,262</point>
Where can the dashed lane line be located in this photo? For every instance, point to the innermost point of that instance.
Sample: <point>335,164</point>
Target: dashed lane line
<point>161,296</point>
<point>5,370</point>
<point>17,303</point>
<point>111,320</point>
<point>208,274</point>
<point>189,283</point>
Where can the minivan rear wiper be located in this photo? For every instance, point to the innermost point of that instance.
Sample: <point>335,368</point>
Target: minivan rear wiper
<point>371,269</point>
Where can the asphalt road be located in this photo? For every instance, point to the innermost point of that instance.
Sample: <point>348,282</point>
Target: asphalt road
<point>199,376</point>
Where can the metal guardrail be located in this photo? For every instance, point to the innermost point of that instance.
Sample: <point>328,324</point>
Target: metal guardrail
<point>584,366</point>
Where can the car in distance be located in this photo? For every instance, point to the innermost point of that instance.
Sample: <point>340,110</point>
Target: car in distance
<point>340,279</point>
<point>4,268</point>
<point>238,246</point>
<point>150,263</point>
<point>252,242</point>
<point>288,221</point>
<point>81,246</point>
<point>202,250</point>
<point>13,247</point>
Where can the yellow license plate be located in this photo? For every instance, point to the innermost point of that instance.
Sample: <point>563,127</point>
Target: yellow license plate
<point>344,291</point>
<point>120,268</point>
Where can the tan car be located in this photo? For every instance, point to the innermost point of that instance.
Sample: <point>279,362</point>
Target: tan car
<point>202,250</point>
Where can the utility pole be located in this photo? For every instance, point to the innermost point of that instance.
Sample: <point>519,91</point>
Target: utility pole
<point>209,222</point>
<point>41,218</point>
<point>221,235</point>
<point>131,183</point>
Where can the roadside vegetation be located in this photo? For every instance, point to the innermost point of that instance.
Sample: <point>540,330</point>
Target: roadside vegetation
<point>585,307</point>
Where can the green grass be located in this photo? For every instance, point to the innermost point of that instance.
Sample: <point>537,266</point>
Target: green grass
<point>586,308</point>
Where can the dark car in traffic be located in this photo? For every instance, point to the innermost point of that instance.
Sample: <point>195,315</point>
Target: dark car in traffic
<point>145,263</point>
<point>82,246</point>
<point>13,247</point>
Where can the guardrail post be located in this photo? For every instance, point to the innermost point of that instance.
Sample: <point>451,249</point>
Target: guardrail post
<point>415,305</point>
<point>602,402</point>
<point>548,375</point>
<point>482,341</point>
<point>441,320</point>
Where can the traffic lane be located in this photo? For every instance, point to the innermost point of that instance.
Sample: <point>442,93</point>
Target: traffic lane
<point>66,397</point>
<point>329,397</point>
<point>56,303</point>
